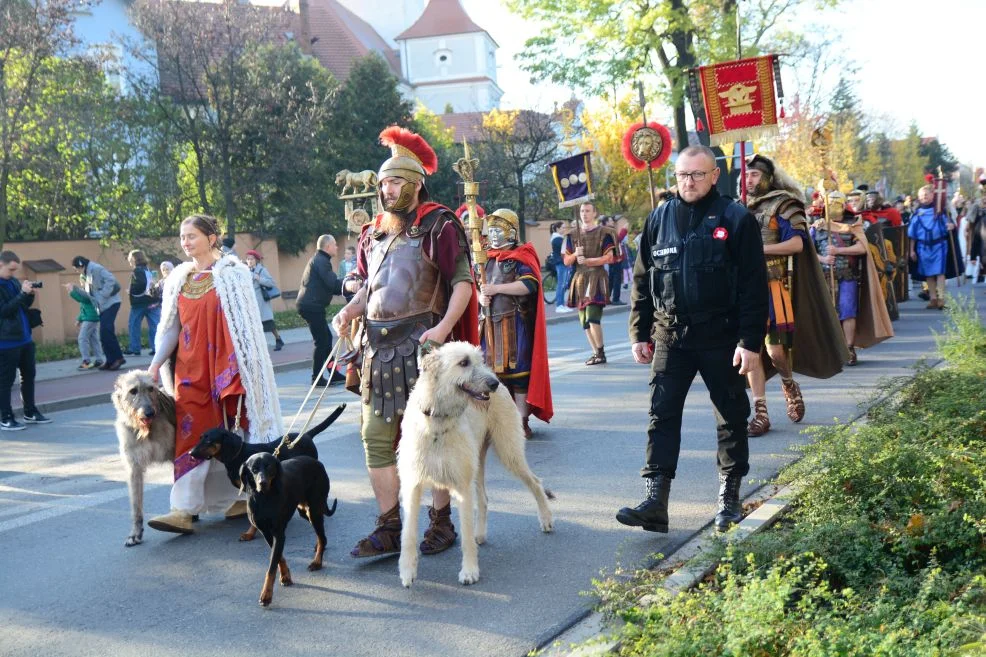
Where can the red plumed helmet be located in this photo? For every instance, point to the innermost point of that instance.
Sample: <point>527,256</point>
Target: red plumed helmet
<point>629,145</point>
<point>462,209</point>
<point>410,154</point>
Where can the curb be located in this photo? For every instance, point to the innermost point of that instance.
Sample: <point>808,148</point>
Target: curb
<point>590,636</point>
<point>72,403</point>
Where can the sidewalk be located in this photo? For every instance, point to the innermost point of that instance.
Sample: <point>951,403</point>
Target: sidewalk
<point>60,386</point>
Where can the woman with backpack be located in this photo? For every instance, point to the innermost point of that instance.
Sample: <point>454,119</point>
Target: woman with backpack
<point>143,303</point>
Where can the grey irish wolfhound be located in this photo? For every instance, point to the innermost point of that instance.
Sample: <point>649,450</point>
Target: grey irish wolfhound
<point>455,412</point>
<point>145,428</point>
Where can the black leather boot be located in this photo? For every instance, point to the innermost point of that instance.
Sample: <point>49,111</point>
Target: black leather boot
<point>730,509</point>
<point>651,514</point>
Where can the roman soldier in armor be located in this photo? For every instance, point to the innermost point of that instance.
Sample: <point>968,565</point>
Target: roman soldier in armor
<point>801,318</point>
<point>413,287</point>
<point>846,264</point>
<point>855,199</point>
<point>513,332</point>
<point>887,234</point>
<point>591,248</point>
<point>875,209</point>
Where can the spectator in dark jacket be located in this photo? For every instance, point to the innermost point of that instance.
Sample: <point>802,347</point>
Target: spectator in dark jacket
<point>102,288</point>
<point>562,271</point>
<point>16,344</point>
<point>143,303</point>
<point>318,285</point>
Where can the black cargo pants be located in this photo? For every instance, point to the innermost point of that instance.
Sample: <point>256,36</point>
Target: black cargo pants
<point>672,372</point>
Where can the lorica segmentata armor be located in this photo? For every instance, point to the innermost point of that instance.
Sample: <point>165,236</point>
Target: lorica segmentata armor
<point>500,319</point>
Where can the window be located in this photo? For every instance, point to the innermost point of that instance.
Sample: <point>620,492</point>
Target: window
<point>443,59</point>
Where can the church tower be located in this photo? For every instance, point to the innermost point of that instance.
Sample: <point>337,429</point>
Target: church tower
<point>449,61</point>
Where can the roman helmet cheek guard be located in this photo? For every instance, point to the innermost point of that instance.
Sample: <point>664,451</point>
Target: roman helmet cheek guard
<point>404,199</point>
<point>503,228</point>
<point>837,204</point>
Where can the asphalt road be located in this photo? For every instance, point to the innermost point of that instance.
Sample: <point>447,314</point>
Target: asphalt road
<point>69,587</point>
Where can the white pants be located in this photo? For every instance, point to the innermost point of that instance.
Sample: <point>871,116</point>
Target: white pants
<point>204,489</point>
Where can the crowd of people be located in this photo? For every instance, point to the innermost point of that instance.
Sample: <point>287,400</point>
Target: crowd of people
<point>733,291</point>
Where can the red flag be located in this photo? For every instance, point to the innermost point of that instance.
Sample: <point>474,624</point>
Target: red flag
<point>740,101</point>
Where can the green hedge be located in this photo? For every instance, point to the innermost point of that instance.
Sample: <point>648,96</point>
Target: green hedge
<point>884,552</point>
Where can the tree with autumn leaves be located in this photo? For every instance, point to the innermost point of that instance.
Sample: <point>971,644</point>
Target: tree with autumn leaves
<point>620,188</point>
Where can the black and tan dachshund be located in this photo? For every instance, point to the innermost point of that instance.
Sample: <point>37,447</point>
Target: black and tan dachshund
<point>276,489</point>
<point>230,449</point>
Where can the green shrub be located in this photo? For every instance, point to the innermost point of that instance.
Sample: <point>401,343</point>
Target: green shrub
<point>884,552</point>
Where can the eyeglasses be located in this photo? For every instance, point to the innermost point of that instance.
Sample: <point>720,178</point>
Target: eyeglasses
<point>697,176</point>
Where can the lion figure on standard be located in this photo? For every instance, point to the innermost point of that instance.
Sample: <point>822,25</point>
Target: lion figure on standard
<point>351,179</point>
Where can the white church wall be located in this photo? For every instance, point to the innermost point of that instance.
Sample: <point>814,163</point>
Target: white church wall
<point>441,58</point>
<point>462,97</point>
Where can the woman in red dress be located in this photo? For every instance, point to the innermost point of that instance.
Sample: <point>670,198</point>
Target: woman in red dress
<point>211,331</point>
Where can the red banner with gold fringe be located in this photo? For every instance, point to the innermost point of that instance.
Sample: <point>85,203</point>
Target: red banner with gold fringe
<point>740,101</point>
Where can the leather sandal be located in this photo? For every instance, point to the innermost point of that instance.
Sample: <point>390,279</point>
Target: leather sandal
<point>440,534</point>
<point>528,432</point>
<point>853,360</point>
<point>795,402</point>
<point>597,358</point>
<point>385,539</point>
<point>760,424</point>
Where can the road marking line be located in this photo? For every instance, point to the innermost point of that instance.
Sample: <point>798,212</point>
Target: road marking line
<point>62,508</point>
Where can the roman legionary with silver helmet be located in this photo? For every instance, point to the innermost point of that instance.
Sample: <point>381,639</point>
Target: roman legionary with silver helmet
<point>801,319</point>
<point>513,331</point>
<point>414,287</point>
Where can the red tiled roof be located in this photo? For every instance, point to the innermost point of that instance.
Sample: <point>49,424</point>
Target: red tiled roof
<point>469,125</point>
<point>464,125</point>
<point>441,18</point>
<point>342,37</point>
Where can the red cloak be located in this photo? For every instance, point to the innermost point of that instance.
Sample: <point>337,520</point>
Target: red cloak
<point>539,385</point>
<point>891,215</point>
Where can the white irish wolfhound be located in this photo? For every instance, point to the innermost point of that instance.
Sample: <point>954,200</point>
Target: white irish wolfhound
<point>145,429</point>
<point>455,412</point>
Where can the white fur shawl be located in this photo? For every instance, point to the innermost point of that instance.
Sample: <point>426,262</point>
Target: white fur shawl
<point>234,286</point>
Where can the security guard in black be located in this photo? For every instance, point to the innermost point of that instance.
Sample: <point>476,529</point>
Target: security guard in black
<point>700,295</point>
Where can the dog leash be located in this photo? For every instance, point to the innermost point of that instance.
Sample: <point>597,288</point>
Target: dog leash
<point>284,439</point>
<point>236,420</point>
